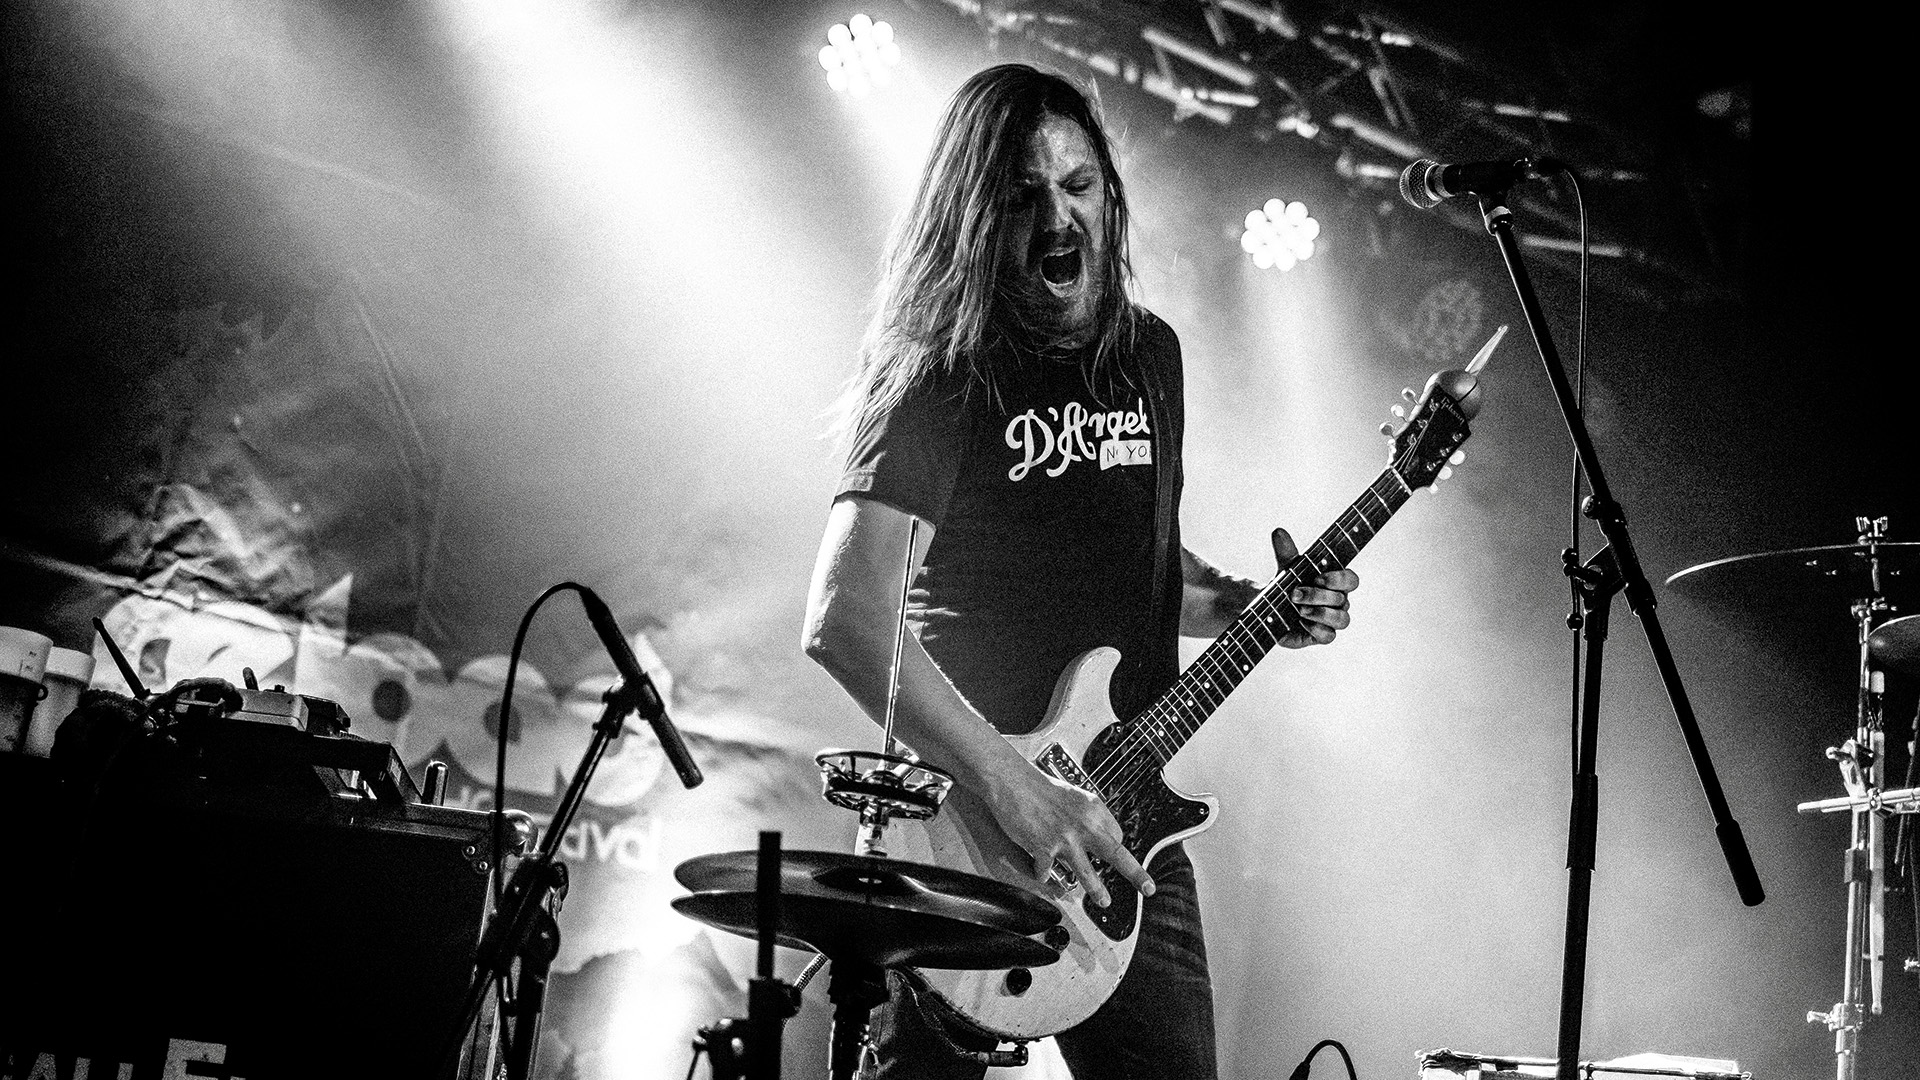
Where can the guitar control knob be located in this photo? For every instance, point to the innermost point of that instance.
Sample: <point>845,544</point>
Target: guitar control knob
<point>1019,981</point>
<point>1057,937</point>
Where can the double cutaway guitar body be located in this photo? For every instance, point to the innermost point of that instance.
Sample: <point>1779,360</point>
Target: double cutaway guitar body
<point>1082,742</point>
<point>1095,943</point>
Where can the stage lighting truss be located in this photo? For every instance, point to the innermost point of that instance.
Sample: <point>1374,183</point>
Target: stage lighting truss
<point>1279,234</point>
<point>860,54</point>
<point>1368,90</point>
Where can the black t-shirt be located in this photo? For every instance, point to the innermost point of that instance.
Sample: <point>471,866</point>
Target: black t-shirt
<point>1044,507</point>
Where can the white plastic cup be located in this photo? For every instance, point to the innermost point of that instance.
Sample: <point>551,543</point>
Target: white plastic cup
<point>69,671</point>
<point>23,666</point>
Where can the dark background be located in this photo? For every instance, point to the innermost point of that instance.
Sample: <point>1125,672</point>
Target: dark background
<point>263,334</point>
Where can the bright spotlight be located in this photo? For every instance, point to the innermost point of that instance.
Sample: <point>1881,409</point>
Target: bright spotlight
<point>860,54</point>
<point>1279,234</point>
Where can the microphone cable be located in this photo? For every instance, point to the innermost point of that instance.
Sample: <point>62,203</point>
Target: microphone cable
<point>501,726</point>
<point>1576,617</point>
<point>1301,1070</point>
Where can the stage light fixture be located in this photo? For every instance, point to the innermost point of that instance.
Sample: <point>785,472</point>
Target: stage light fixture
<point>860,54</point>
<point>1298,124</point>
<point>1279,234</point>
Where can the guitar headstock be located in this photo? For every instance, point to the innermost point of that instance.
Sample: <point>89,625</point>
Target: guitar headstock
<point>1426,446</point>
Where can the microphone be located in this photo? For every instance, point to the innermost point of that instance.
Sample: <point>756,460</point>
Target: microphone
<point>647,698</point>
<point>1425,184</point>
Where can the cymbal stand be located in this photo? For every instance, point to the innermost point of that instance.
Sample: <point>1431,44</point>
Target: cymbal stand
<point>751,1051</point>
<point>1862,762</point>
<point>894,783</point>
<point>879,787</point>
<point>1903,853</point>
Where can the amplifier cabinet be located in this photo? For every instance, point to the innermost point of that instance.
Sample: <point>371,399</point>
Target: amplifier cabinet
<point>202,935</point>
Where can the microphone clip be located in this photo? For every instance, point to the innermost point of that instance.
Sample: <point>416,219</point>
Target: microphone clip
<point>626,699</point>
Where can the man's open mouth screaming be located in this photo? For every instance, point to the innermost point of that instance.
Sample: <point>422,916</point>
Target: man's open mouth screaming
<point>1061,269</point>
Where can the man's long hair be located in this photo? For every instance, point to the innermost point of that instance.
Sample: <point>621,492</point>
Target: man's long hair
<point>942,308</point>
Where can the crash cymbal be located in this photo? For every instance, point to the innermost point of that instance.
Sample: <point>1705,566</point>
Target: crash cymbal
<point>1895,645</point>
<point>1835,574</point>
<point>888,912</point>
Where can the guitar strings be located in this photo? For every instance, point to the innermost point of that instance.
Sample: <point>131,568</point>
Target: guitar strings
<point>1139,754</point>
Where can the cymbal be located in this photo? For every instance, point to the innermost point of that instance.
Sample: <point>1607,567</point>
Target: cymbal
<point>888,912</point>
<point>1896,644</point>
<point>1794,577</point>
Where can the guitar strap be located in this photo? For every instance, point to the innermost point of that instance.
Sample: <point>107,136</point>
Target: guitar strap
<point>1166,478</point>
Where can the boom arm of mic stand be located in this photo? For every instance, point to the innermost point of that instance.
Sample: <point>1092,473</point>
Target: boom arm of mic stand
<point>1613,525</point>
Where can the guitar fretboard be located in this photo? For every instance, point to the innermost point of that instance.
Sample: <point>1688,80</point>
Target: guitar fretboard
<point>1165,726</point>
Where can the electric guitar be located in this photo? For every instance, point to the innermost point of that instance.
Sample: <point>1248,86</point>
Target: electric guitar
<point>1082,742</point>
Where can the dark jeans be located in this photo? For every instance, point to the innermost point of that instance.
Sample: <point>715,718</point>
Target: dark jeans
<point>1158,1025</point>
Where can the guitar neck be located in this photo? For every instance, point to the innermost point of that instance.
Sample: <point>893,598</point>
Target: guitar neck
<point>1164,727</point>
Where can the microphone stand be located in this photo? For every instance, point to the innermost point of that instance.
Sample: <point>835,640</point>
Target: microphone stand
<point>523,927</point>
<point>1615,568</point>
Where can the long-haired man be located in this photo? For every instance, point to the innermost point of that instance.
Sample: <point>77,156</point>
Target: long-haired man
<point>1015,400</point>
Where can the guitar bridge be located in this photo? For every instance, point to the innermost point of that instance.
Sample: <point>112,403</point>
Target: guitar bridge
<point>1057,763</point>
<point>1117,919</point>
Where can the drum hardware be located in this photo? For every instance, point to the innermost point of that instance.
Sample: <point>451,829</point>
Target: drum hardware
<point>885,912</point>
<point>1859,574</point>
<point>861,913</point>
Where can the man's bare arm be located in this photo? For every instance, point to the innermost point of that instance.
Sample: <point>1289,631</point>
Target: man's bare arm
<point>852,609</point>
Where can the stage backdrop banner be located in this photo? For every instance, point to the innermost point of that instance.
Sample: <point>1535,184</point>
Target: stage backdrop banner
<point>261,485</point>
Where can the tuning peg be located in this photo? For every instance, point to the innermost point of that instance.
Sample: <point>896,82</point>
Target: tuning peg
<point>1407,392</point>
<point>1387,430</point>
<point>1457,457</point>
<point>1398,412</point>
<point>1445,472</point>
